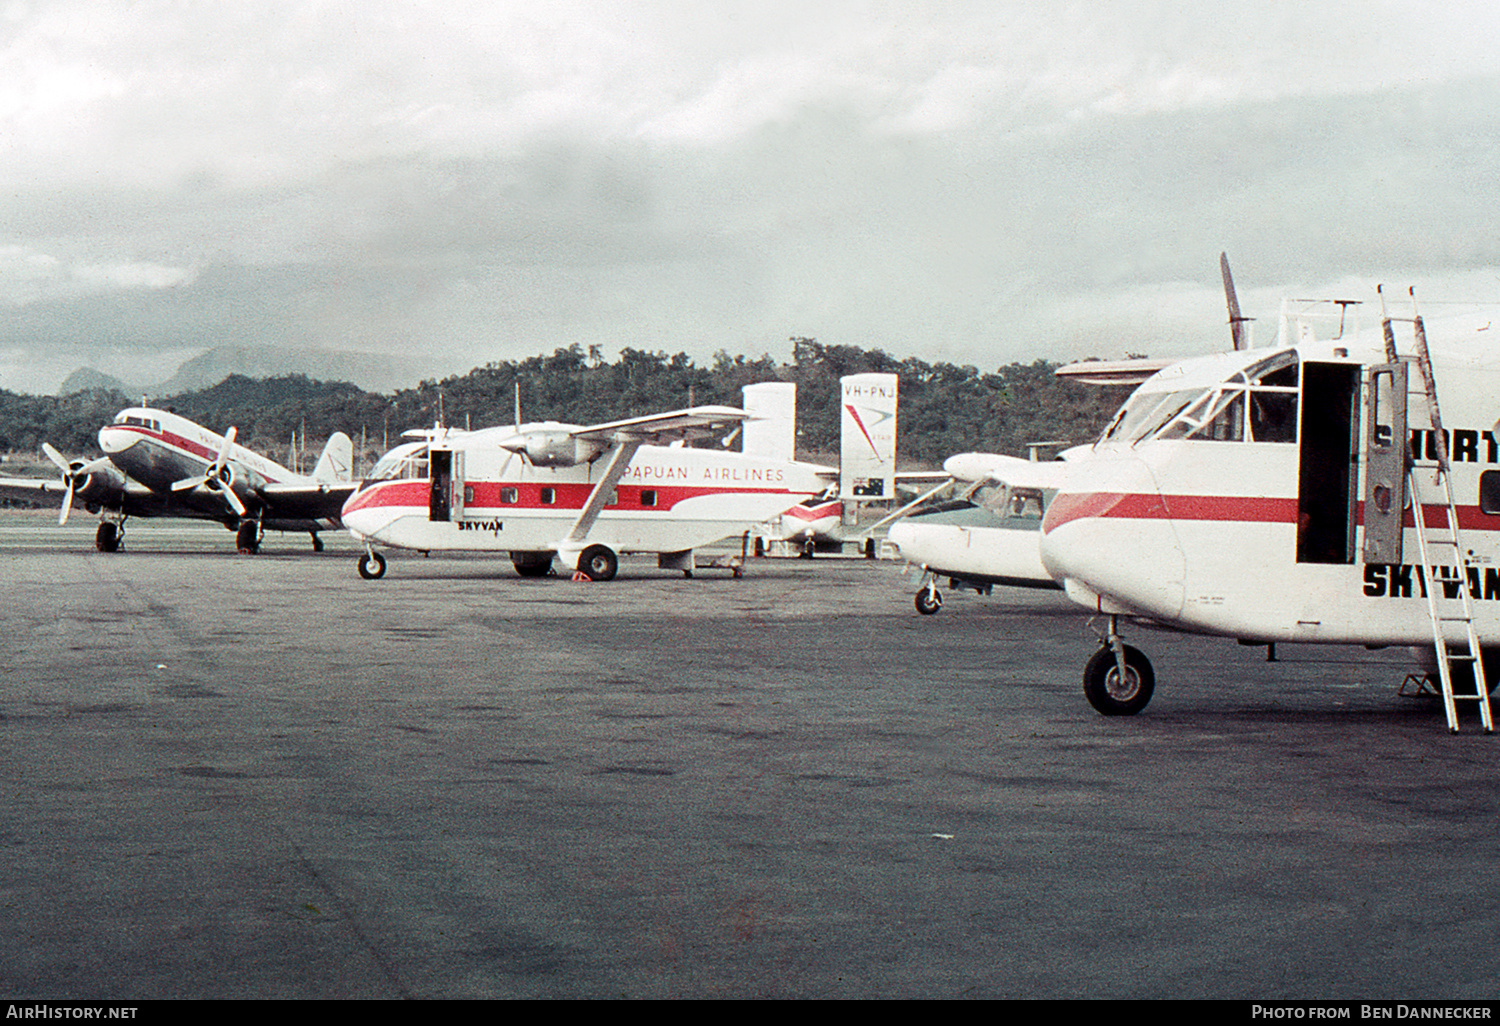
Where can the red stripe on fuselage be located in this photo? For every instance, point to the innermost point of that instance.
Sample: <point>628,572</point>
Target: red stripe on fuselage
<point>568,495</point>
<point>1246,509</point>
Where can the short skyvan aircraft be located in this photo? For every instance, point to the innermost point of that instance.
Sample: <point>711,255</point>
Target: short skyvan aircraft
<point>1268,496</point>
<point>159,464</point>
<point>579,495</point>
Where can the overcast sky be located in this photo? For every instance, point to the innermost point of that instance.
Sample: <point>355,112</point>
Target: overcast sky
<point>476,180</point>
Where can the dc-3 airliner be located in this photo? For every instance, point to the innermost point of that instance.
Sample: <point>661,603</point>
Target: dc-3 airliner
<point>159,464</point>
<point>1341,490</point>
<point>578,495</point>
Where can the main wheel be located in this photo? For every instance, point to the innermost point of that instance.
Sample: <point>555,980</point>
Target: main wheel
<point>247,538</point>
<point>929,601</point>
<point>1112,696</point>
<point>599,563</point>
<point>372,566</point>
<point>107,538</point>
<point>533,566</point>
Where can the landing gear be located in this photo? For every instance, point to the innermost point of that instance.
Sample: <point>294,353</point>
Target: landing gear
<point>598,563</point>
<point>247,537</point>
<point>317,542</point>
<point>1118,679</point>
<point>808,549</point>
<point>372,566</point>
<point>532,564</point>
<point>929,599</point>
<point>109,536</point>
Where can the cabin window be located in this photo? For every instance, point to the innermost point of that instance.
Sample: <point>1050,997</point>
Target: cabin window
<point>468,494</point>
<point>508,495</point>
<point>549,496</point>
<point>648,497</point>
<point>1489,492</point>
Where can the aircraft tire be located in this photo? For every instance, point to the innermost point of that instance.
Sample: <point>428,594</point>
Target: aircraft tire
<point>1102,686</point>
<point>107,538</point>
<point>372,566</point>
<point>929,601</point>
<point>598,563</point>
<point>245,539</point>
<point>533,567</point>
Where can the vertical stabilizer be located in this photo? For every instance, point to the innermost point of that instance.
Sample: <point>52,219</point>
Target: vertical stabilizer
<point>867,449</point>
<point>772,430</point>
<point>337,461</point>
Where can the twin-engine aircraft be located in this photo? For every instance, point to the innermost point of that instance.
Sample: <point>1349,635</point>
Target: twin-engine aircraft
<point>578,495</point>
<point>1269,496</point>
<point>159,464</point>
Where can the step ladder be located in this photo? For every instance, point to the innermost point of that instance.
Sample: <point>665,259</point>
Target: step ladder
<point>1437,543</point>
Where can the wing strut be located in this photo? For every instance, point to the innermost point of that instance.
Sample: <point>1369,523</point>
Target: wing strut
<point>620,456</point>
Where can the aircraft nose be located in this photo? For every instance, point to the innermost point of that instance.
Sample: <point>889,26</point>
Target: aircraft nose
<point>1116,546</point>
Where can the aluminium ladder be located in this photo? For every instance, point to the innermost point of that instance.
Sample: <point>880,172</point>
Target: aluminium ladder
<point>1444,538</point>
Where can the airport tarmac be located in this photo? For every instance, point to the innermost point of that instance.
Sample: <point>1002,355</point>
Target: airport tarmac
<point>264,777</point>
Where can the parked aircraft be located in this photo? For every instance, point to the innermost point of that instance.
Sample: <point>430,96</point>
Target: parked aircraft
<point>159,464</point>
<point>989,535</point>
<point>1268,496</point>
<point>869,487</point>
<point>986,535</point>
<point>579,494</point>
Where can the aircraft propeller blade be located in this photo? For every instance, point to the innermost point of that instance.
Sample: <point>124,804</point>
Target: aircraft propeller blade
<point>1237,331</point>
<point>67,476</point>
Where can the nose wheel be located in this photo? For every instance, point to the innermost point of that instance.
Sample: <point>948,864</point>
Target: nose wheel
<point>1118,679</point>
<point>928,599</point>
<point>372,566</point>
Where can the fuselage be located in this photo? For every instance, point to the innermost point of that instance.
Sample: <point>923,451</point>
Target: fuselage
<point>1236,495</point>
<point>490,498</point>
<point>984,539</point>
<point>158,448</point>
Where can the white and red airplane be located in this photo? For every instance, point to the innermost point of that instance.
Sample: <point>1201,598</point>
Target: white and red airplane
<point>861,501</point>
<point>579,494</point>
<point>159,464</point>
<point>988,534</point>
<point>1267,495</point>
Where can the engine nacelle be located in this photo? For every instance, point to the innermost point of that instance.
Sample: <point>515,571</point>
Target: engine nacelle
<point>244,482</point>
<point>97,485</point>
<point>554,448</point>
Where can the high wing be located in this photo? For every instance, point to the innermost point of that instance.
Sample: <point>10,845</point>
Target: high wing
<point>985,467</point>
<point>676,425</point>
<point>1112,372</point>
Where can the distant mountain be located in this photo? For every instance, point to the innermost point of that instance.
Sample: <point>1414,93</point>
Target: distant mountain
<point>370,371</point>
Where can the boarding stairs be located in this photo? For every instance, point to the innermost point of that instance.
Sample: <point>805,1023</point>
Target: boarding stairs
<point>1441,544</point>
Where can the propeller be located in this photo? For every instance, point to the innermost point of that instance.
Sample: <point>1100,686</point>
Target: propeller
<point>213,477</point>
<point>68,471</point>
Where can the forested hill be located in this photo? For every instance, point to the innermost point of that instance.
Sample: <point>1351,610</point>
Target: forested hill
<point>944,408</point>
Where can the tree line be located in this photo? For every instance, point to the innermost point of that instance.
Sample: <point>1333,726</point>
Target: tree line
<point>944,408</point>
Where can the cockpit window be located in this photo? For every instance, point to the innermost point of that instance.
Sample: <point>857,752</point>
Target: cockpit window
<point>1257,403</point>
<point>401,462</point>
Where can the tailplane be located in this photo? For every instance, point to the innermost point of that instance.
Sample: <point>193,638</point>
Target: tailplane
<point>337,461</point>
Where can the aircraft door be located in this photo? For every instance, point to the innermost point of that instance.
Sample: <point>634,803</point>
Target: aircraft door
<point>1385,462</point>
<point>1328,452</point>
<point>445,499</point>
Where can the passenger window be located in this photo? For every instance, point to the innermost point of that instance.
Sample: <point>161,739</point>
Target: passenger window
<point>549,496</point>
<point>508,495</point>
<point>648,497</point>
<point>1489,492</point>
